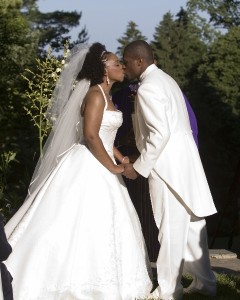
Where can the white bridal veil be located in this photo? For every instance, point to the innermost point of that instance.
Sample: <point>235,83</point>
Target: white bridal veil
<point>67,128</point>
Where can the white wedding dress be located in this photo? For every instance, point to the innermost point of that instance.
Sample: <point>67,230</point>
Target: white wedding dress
<point>81,238</point>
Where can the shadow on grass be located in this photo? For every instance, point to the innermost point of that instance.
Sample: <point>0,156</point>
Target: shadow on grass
<point>228,288</point>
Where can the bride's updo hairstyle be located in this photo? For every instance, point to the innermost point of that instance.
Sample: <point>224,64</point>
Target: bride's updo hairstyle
<point>94,65</point>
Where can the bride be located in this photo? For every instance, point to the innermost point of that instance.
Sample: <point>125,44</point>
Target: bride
<point>77,235</point>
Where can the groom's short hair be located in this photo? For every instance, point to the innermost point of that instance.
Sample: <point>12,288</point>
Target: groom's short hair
<point>140,49</point>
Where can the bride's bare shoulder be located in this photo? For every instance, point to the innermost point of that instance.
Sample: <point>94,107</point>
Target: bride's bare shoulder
<point>94,98</point>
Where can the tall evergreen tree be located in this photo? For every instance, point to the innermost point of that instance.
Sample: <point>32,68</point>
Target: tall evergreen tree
<point>162,43</point>
<point>178,47</point>
<point>132,34</point>
<point>221,69</point>
<point>205,64</point>
<point>220,75</point>
<point>215,92</point>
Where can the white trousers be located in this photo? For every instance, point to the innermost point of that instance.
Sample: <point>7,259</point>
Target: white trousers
<point>1,290</point>
<point>183,242</point>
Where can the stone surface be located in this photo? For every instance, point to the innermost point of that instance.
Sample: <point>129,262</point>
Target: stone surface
<point>226,266</point>
<point>221,254</point>
<point>222,262</point>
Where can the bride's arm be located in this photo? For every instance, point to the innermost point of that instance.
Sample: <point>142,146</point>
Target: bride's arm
<point>93,113</point>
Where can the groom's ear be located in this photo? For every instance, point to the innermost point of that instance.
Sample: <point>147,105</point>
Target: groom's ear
<point>140,61</point>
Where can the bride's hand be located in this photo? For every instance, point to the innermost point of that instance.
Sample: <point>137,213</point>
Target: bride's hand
<point>117,169</point>
<point>125,160</point>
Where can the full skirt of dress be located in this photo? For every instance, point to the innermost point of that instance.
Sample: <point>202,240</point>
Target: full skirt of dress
<point>81,238</point>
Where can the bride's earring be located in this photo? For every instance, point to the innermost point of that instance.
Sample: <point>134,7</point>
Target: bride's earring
<point>107,79</point>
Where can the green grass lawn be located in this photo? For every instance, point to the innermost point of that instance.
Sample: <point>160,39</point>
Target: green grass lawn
<point>228,288</point>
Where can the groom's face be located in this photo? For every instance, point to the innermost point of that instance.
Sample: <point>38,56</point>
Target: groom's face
<point>131,67</point>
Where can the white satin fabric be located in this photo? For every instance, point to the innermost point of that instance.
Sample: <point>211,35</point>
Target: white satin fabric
<point>81,238</point>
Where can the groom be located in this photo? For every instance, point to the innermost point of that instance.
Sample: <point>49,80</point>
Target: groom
<point>178,187</point>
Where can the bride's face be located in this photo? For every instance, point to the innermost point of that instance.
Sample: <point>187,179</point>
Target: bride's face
<point>114,68</point>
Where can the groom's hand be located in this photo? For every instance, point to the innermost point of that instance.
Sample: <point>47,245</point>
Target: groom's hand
<point>129,171</point>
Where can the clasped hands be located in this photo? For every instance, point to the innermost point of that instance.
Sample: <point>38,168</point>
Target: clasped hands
<point>127,168</point>
<point>129,171</point>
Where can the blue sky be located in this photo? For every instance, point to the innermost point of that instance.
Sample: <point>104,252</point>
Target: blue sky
<point>106,20</point>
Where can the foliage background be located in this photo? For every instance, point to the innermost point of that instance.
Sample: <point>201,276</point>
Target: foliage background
<point>202,54</point>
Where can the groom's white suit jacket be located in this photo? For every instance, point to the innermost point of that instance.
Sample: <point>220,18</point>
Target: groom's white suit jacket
<point>165,141</point>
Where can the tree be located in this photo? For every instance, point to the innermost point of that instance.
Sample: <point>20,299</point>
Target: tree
<point>178,47</point>
<point>25,33</point>
<point>162,42</point>
<point>221,68</point>
<point>132,34</point>
<point>215,91</point>
<point>224,14</point>
<point>53,28</point>
<point>18,45</point>
<point>17,50</point>
<point>220,73</point>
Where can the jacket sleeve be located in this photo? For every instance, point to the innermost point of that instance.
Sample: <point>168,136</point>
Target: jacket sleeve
<point>154,107</point>
<point>5,247</point>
